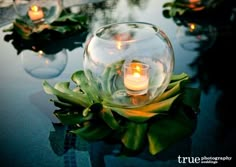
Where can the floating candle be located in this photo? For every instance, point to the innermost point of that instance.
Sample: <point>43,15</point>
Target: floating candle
<point>35,13</point>
<point>136,78</point>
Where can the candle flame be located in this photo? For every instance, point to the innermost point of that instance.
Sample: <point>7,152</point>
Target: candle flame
<point>136,75</point>
<point>138,68</point>
<point>137,71</point>
<point>34,8</point>
<point>136,78</point>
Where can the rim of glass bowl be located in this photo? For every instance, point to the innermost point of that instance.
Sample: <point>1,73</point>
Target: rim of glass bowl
<point>154,29</point>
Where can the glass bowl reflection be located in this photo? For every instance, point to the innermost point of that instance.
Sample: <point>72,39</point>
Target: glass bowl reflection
<point>43,66</point>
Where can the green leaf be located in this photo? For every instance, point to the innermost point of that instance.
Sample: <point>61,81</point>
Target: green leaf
<point>177,77</point>
<point>64,87</point>
<point>61,29</point>
<point>72,17</point>
<point>22,29</point>
<point>109,118</point>
<point>174,83</point>
<point>169,93</point>
<point>134,135</point>
<point>86,111</point>
<point>168,4</point>
<point>65,97</point>
<point>60,104</point>
<point>166,14</point>
<point>133,115</point>
<point>169,130</point>
<point>181,11</point>
<point>93,131</point>
<point>146,112</point>
<point>172,12</point>
<point>72,117</point>
<point>160,107</point>
<point>9,29</point>
<point>80,79</point>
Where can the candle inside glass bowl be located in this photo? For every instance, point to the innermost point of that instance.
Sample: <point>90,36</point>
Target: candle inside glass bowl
<point>143,48</point>
<point>35,13</point>
<point>38,11</point>
<point>136,78</point>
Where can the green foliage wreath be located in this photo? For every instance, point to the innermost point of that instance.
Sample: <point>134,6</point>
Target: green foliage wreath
<point>166,120</point>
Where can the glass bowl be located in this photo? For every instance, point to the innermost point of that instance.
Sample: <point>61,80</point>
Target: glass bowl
<point>128,63</point>
<point>38,11</point>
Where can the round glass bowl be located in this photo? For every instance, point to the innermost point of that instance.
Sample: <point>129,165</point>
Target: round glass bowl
<point>38,11</point>
<point>43,66</point>
<point>129,63</point>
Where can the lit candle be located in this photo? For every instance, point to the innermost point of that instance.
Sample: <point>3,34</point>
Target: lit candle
<point>35,13</point>
<point>136,78</point>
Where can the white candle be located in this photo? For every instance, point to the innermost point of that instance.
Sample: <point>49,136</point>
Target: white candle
<point>136,82</point>
<point>136,78</point>
<point>35,13</point>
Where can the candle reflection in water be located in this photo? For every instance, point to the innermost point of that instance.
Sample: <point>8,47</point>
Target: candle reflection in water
<point>196,37</point>
<point>192,27</point>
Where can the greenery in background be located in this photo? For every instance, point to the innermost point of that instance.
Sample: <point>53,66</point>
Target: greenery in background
<point>198,11</point>
<point>179,7</point>
<point>49,37</point>
<point>166,120</point>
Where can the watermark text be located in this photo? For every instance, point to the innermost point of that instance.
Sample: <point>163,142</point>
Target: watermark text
<point>202,160</point>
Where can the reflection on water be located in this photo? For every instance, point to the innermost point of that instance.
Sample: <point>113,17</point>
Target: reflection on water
<point>214,69</point>
<point>62,142</point>
<point>43,66</point>
<point>196,37</point>
<point>198,21</point>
